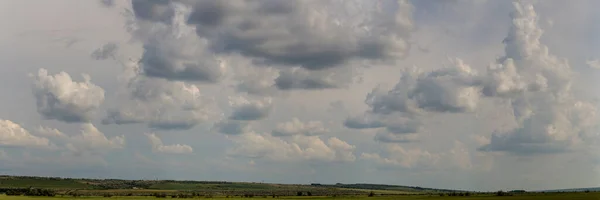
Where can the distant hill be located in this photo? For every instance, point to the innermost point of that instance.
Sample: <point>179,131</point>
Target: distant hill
<point>66,184</point>
<point>594,189</point>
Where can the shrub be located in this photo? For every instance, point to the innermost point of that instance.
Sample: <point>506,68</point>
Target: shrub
<point>371,194</point>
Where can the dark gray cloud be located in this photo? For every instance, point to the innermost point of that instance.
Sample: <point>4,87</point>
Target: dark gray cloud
<point>153,10</point>
<point>280,32</point>
<point>291,80</point>
<point>250,112</point>
<point>120,118</point>
<point>107,3</point>
<point>231,127</point>
<point>176,124</point>
<point>361,122</point>
<point>167,57</point>
<point>107,51</point>
<point>403,126</point>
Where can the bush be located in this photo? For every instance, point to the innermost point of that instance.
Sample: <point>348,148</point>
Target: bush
<point>299,193</point>
<point>371,194</point>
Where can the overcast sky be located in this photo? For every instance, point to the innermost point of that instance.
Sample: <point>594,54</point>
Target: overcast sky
<point>461,94</point>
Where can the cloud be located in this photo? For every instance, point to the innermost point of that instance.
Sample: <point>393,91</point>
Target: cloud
<point>158,146</point>
<point>301,33</point>
<point>302,79</point>
<point>49,132</point>
<point>231,127</point>
<point>389,137</point>
<point>153,10</point>
<point>107,3</point>
<point>250,110</point>
<point>60,98</point>
<point>595,64</point>
<point>363,122</point>
<point>171,50</point>
<point>450,89</point>
<point>297,127</point>
<point>398,157</point>
<point>91,140</point>
<point>551,119</point>
<point>179,58</point>
<point>298,148</point>
<point>300,40</point>
<point>13,135</point>
<point>253,80</point>
<point>162,104</point>
<point>108,50</point>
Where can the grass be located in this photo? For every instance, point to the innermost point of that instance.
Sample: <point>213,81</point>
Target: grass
<point>532,196</point>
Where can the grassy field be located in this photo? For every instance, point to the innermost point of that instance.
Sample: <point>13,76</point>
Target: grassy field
<point>40,188</point>
<point>538,196</point>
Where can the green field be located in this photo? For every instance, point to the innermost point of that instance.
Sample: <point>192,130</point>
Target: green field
<point>26,188</point>
<point>548,196</point>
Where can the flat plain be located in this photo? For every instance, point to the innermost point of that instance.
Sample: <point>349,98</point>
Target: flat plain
<point>537,196</point>
<point>53,188</point>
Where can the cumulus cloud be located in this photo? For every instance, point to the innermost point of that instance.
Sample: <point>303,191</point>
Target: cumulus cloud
<point>302,33</point>
<point>298,148</point>
<point>550,117</point>
<point>162,104</point>
<point>171,50</point>
<point>13,135</point>
<point>450,89</point>
<point>256,81</point>
<point>60,98</point>
<point>91,140</point>
<point>314,36</point>
<point>49,132</point>
<point>161,87</point>
<point>158,146</point>
<point>396,156</point>
<point>297,127</point>
<point>250,110</point>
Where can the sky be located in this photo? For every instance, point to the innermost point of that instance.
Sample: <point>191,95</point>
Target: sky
<point>459,94</point>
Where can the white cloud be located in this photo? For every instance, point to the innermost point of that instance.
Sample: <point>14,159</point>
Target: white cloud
<point>456,158</point>
<point>49,132</point>
<point>12,134</point>
<point>550,117</point>
<point>595,64</point>
<point>297,148</point>
<point>158,146</point>
<point>167,105</point>
<point>59,97</point>
<point>91,140</point>
<point>297,127</point>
